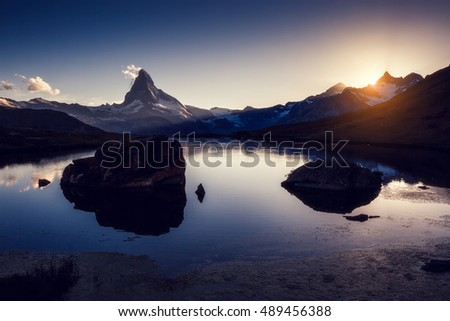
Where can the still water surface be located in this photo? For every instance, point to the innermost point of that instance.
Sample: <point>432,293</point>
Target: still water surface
<point>246,215</point>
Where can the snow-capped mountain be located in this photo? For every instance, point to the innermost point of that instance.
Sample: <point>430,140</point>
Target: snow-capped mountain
<point>144,94</point>
<point>145,110</point>
<point>385,88</point>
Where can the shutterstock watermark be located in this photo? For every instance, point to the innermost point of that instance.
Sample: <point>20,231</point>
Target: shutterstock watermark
<point>159,153</point>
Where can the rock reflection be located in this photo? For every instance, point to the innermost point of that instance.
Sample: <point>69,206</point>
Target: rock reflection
<point>141,211</point>
<point>341,202</point>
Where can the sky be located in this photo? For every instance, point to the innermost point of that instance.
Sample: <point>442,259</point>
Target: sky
<point>215,53</point>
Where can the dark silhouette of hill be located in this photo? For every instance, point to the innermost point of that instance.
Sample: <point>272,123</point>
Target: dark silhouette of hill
<point>45,120</point>
<point>45,130</point>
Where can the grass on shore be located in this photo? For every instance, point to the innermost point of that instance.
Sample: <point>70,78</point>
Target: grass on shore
<point>44,283</point>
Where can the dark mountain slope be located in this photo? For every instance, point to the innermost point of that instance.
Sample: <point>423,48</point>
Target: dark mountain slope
<point>46,131</point>
<point>45,120</point>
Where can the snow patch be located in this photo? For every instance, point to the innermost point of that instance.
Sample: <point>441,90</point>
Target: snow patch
<point>285,112</point>
<point>129,109</point>
<point>385,92</point>
<point>217,111</point>
<point>175,108</point>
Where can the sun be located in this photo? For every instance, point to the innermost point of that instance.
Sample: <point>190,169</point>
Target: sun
<point>367,77</point>
<point>371,82</point>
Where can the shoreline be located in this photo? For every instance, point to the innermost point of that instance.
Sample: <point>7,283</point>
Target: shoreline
<point>382,273</point>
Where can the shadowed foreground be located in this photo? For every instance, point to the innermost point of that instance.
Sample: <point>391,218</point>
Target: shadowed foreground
<point>374,274</point>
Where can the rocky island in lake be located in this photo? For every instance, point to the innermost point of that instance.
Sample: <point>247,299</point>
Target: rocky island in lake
<point>143,193</point>
<point>333,189</point>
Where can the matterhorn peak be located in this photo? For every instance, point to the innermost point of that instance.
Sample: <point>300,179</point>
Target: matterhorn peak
<point>144,76</point>
<point>144,100</point>
<point>143,89</point>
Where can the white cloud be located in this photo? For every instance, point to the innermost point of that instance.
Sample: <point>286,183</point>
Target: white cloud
<point>131,71</point>
<point>20,76</point>
<point>38,85</point>
<point>6,85</point>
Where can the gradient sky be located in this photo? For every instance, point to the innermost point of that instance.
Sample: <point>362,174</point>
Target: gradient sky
<point>215,53</point>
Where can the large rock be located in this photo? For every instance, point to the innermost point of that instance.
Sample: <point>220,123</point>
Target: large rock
<point>336,178</point>
<point>149,162</point>
<point>333,189</point>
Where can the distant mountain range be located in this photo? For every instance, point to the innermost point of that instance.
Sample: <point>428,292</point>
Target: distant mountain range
<point>337,100</point>
<point>417,116</point>
<point>355,112</point>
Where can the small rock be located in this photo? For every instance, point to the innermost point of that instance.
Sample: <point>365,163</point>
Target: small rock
<point>359,218</point>
<point>200,193</point>
<point>437,266</point>
<point>43,182</point>
<point>423,187</point>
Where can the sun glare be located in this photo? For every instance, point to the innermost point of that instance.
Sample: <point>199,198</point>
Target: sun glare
<point>371,75</point>
<point>367,77</point>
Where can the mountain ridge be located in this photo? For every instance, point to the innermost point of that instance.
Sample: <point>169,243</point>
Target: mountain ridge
<point>147,109</point>
<point>418,116</point>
